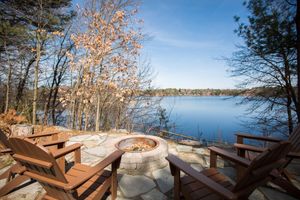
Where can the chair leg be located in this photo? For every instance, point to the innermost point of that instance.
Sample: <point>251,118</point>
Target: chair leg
<point>177,185</point>
<point>288,186</point>
<point>114,182</point>
<point>8,187</point>
<point>176,173</point>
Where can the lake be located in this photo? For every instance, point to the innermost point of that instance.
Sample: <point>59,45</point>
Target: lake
<point>212,118</point>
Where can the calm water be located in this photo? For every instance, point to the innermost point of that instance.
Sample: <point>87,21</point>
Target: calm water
<point>211,118</point>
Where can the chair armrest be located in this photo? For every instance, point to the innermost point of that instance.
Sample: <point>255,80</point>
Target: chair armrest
<point>186,168</point>
<point>294,155</point>
<point>249,147</point>
<point>257,137</point>
<point>66,150</point>
<point>229,156</point>
<point>53,143</point>
<point>5,151</point>
<point>113,157</point>
<point>38,135</point>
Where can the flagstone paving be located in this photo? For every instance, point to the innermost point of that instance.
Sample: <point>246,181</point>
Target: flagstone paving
<point>150,185</point>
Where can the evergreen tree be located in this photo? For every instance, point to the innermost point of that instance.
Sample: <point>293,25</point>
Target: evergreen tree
<point>39,20</point>
<point>268,60</point>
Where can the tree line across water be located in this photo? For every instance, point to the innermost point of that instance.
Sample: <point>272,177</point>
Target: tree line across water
<point>253,92</point>
<point>193,92</point>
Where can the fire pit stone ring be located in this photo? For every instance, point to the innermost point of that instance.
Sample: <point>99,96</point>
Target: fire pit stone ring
<point>142,153</point>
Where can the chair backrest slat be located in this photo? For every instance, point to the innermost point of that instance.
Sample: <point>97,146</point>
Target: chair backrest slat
<point>262,165</point>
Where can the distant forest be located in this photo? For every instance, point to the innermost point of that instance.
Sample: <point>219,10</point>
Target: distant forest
<point>193,92</point>
<point>259,91</point>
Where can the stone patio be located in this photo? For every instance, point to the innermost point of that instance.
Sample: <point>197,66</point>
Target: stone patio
<point>154,183</point>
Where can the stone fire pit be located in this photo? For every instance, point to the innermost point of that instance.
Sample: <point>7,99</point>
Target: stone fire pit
<point>142,153</point>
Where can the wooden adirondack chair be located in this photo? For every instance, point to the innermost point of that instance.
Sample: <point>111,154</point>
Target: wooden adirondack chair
<point>14,175</point>
<point>281,177</point>
<point>80,182</point>
<point>210,184</point>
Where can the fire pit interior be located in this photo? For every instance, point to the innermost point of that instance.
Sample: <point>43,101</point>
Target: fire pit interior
<point>137,144</point>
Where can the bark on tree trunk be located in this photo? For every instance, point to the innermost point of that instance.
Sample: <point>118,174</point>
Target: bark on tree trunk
<point>86,121</point>
<point>79,115</point>
<point>297,20</point>
<point>47,106</point>
<point>290,118</point>
<point>54,101</point>
<point>22,83</point>
<point>8,79</point>
<point>73,115</point>
<point>97,124</point>
<point>36,79</point>
<point>8,88</point>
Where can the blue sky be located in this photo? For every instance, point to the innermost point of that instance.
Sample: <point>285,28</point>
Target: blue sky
<point>188,39</point>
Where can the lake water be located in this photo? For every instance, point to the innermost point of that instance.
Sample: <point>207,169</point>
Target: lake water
<point>212,118</point>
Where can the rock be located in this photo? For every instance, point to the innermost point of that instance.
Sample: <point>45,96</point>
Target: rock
<point>97,151</point>
<point>200,151</point>
<point>220,162</point>
<point>90,143</point>
<point>184,148</point>
<point>138,133</point>
<point>61,128</point>
<point>132,186</point>
<point>197,167</point>
<point>32,191</point>
<point>275,194</point>
<point>118,196</point>
<point>102,137</point>
<point>79,138</point>
<point>68,143</point>
<point>154,195</point>
<point>122,131</point>
<point>4,168</point>
<point>21,129</point>
<point>192,158</point>
<point>230,172</point>
<point>164,179</point>
<point>94,137</point>
<point>257,195</point>
<point>89,159</point>
<point>190,143</point>
<point>173,151</point>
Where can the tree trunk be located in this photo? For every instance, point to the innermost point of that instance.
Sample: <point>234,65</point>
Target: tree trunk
<point>79,115</point>
<point>47,106</point>
<point>290,118</point>
<point>22,83</point>
<point>297,20</point>
<point>73,115</point>
<point>54,105</point>
<point>97,124</point>
<point>8,88</point>
<point>8,79</point>
<point>36,79</point>
<point>86,121</point>
<point>289,92</point>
